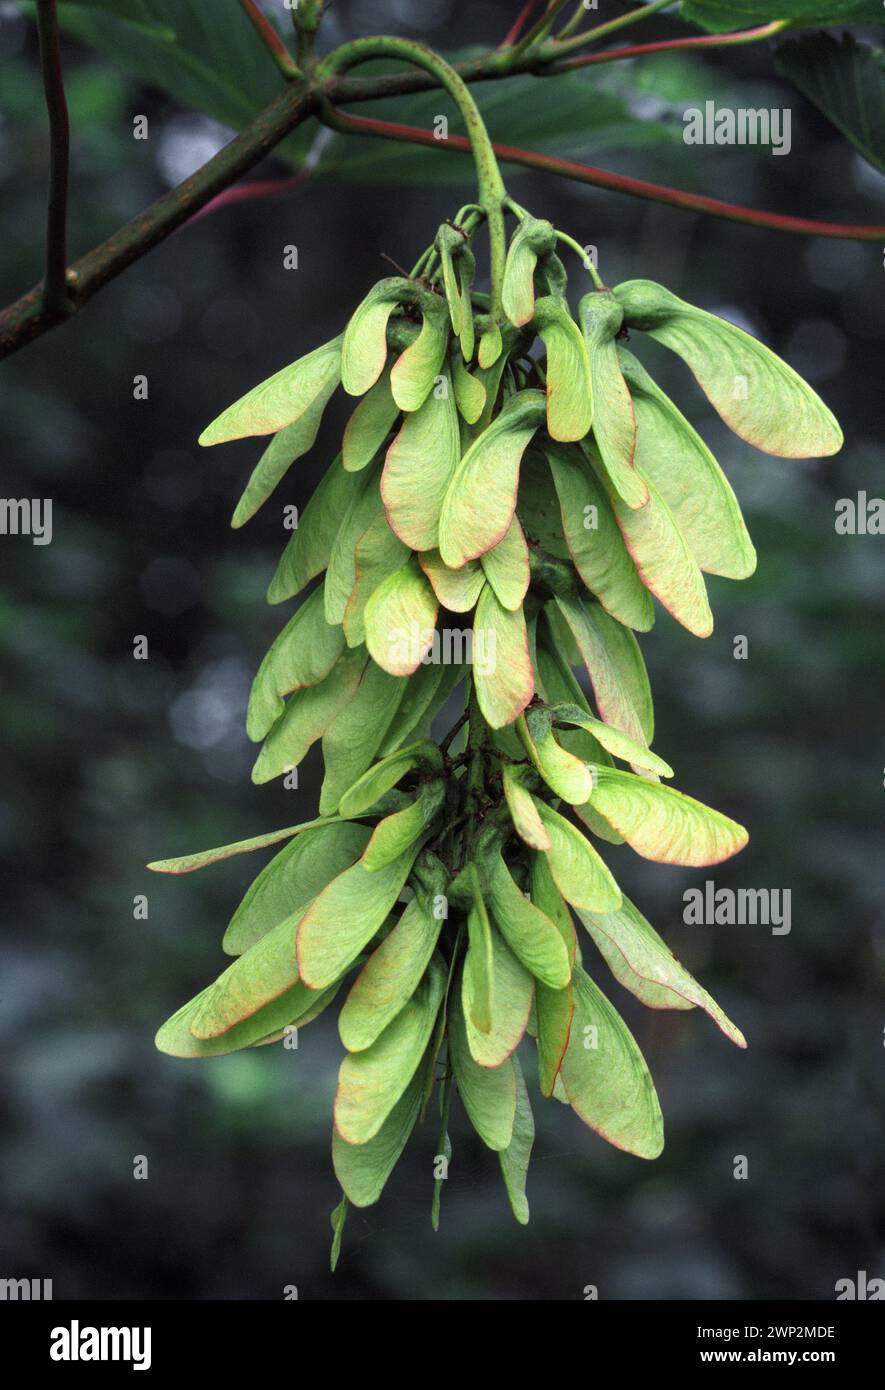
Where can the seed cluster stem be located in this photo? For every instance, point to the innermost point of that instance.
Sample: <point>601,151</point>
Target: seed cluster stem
<point>491,190</point>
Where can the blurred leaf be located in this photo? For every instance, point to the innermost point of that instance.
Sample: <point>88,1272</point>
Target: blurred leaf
<point>846,81</point>
<point>208,57</point>
<point>721,15</point>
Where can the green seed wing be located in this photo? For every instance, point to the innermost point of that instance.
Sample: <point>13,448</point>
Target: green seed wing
<point>569,386</point>
<point>663,824</point>
<point>480,499</point>
<point>418,468</point>
<point>346,916</point>
<point>578,872</point>
<point>595,543</point>
<point>303,654</point>
<point>607,1082</point>
<point>390,976</point>
<point>515,1158</point>
<point>644,964</point>
<point>676,460</point>
<point>502,668</point>
<point>282,399</point>
<point>757,394</point>
<point>488,1093</point>
<point>363,1169</point>
<point>372,1081</point>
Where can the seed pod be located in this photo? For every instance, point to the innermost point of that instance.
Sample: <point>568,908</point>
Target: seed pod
<point>401,620</point>
<point>609,1086</point>
<point>458,269</point>
<point>371,1082</point>
<point>364,347</point>
<point>506,567</point>
<point>502,666</point>
<point>415,372</point>
<point>389,977</point>
<point>594,539</point>
<point>529,932</point>
<point>614,422</point>
<point>569,387</point>
<point>644,964</point>
<point>480,500</point>
<point>578,872</point>
<point>369,425</point>
<point>663,824</point>
<point>363,1169</point>
<point>533,238</point>
<point>488,1093</point>
<point>510,1006</point>
<point>419,466</point>
<point>345,916</point>
<point>567,776</point>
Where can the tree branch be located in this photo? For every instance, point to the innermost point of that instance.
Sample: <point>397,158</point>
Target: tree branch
<point>54,292</point>
<point>617,183</point>
<point>29,316</point>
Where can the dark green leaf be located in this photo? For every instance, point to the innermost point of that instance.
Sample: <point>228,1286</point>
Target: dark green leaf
<point>719,16</point>
<point>846,81</point>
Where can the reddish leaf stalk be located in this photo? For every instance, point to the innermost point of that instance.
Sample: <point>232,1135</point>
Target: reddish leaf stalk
<point>617,183</point>
<point>519,23</point>
<point>642,50</point>
<point>249,192</point>
<point>271,40</point>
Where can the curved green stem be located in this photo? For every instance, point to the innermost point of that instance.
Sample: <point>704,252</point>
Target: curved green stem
<point>492,194</point>
<point>585,260</point>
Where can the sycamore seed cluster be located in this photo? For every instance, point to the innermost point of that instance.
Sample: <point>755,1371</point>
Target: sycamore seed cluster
<point>519,472</point>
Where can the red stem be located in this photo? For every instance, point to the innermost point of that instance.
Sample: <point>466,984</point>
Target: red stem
<point>668,45</point>
<point>245,192</point>
<point>618,183</point>
<point>271,39</point>
<point>519,23</point>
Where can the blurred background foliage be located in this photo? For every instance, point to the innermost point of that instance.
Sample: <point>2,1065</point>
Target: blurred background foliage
<point>109,762</point>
